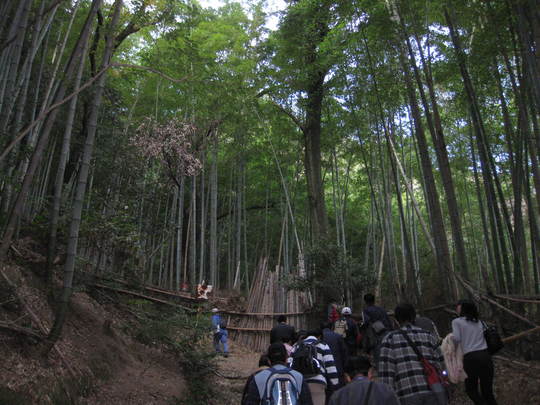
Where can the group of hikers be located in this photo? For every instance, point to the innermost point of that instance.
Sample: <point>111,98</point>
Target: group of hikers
<point>376,360</point>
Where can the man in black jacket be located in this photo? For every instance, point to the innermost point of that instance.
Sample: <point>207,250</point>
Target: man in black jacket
<point>282,332</point>
<point>338,348</point>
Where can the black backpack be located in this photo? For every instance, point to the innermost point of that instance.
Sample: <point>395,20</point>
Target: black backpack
<point>493,339</point>
<point>373,335</point>
<point>304,359</point>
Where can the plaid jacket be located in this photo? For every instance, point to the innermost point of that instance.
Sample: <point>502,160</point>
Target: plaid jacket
<point>399,366</point>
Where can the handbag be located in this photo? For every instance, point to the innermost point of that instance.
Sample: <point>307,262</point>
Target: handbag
<point>493,339</point>
<point>436,381</point>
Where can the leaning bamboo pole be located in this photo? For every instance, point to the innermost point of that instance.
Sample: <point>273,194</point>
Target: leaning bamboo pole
<point>252,328</point>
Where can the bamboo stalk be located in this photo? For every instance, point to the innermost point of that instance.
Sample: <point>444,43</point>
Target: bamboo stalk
<point>518,336</point>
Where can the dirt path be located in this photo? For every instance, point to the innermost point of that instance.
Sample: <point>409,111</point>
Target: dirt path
<point>241,363</point>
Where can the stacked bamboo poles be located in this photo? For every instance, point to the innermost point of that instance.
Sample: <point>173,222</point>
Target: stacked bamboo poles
<point>267,299</point>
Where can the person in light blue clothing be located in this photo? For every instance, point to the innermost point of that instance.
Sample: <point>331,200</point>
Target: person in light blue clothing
<point>220,333</point>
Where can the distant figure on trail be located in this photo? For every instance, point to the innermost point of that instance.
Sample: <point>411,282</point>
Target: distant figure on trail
<point>347,327</point>
<point>376,324</point>
<point>339,349</point>
<point>361,389</point>
<point>220,333</point>
<point>333,313</point>
<point>399,366</point>
<point>468,331</point>
<point>314,360</point>
<point>282,332</point>
<point>272,386</point>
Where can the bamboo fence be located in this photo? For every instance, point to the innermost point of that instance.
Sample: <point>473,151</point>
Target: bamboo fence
<point>267,299</point>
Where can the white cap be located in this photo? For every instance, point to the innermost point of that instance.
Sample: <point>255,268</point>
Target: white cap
<point>214,310</point>
<point>346,311</point>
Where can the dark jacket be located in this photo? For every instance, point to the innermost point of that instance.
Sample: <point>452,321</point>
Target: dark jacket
<point>354,393</point>
<point>374,313</point>
<point>282,332</point>
<point>423,322</point>
<point>253,397</point>
<point>339,350</point>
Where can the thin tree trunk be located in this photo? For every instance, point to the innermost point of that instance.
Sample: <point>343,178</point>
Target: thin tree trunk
<point>193,245</point>
<point>18,28</point>
<point>18,206</point>
<point>437,134</point>
<point>485,156</point>
<point>82,182</point>
<point>213,211</point>
<point>202,241</point>
<point>444,263</point>
<point>179,232</point>
<point>60,171</point>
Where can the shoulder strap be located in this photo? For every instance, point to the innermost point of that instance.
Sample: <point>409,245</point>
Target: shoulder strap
<point>368,394</point>
<point>260,379</point>
<point>411,343</point>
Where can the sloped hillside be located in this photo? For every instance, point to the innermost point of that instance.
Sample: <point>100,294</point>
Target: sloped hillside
<point>100,357</point>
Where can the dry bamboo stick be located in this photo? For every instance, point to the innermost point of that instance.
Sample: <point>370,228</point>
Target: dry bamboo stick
<point>486,298</point>
<point>518,336</point>
<point>135,294</point>
<point>508,298</point>
<point>249,329</point>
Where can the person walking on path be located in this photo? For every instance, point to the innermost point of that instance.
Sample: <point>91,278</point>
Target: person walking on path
<point>399,366</point>
<point>324,380</point>
<point>264,363</point>
<point>259,388</point>
<point>361,389</point>
<point>220,333</point>
<point>468,331</point>
<point>347,327</point>
<point>373,313</point>
<point>282,332</point>
<point>376,324</point>
<point>339,349</point>
<point>333,313</point>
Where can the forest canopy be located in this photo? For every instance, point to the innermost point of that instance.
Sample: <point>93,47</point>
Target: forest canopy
<point>361,145</point>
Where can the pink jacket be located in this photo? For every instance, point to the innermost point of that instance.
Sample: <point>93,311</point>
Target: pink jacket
<point>453,357</point>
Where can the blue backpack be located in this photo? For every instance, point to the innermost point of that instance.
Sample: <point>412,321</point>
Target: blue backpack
<point>279,386</point>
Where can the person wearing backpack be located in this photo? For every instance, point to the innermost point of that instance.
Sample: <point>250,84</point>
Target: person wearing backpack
<point>347,327</point>
<point>361,389</point>
<point>314,360</point>
<point>401,361</point>
<point>468,331</point>
<point>376,324</point>
<point>338,347</point>
<point>221,335</point>
<point>278,384</point>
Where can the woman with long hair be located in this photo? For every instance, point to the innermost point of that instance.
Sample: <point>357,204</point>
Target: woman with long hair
<point>468,331</point>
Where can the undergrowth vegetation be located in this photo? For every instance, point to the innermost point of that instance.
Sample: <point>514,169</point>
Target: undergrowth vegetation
<point>185,335</point>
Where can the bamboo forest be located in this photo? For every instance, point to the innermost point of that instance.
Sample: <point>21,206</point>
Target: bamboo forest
<point>167,163</point>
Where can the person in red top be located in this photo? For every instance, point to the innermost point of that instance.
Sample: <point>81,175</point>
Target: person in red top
<point>333,313</point>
